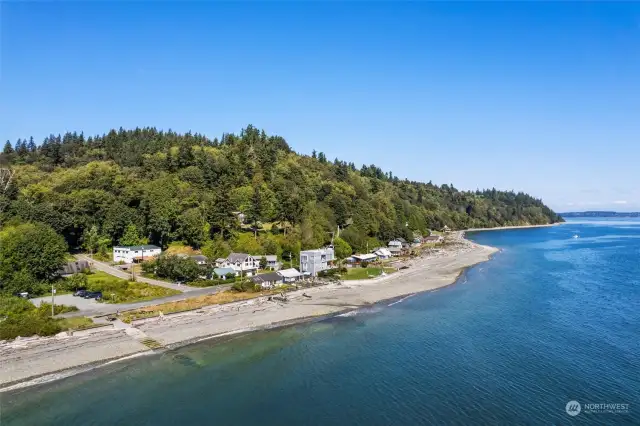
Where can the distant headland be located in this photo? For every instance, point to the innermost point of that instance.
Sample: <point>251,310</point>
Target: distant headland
<point>600,214</point>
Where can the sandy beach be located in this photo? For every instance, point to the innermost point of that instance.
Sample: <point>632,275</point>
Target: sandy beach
<point>35,360</point>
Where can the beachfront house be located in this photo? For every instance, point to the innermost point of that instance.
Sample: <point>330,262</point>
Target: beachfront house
<point>243,264</point>
<point>290,275</point>
<point>314,261</point>
<point>359,258</point>
<point>395,243</point>
<point>272,261</point>
<point>382,253</point>
<point>268,280</point>
<point>135,254</point>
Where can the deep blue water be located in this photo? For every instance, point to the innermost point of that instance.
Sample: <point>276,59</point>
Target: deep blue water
<point>548,320</point>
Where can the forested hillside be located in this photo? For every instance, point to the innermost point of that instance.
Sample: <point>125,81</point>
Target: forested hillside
<point>131,186</point>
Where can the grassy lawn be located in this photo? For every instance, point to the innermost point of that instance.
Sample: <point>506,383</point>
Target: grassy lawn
<point>193,303</point>
<point>75,323</point>
<point>358,273</point>
<point>116,290</point>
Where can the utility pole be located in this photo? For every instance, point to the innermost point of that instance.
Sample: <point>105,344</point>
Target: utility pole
<point>53,292</point>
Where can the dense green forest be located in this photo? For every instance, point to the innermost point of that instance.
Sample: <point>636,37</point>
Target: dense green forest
<point>145,185</point>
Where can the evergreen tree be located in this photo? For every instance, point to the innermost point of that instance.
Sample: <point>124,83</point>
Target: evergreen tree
<point>32,145</point>
<point>8,149</point>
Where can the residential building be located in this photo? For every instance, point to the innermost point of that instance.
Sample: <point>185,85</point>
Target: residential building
<point>382,253</point>
<point>272,261</point>
<point>75,267</point>
<point>290,275</point>
<point>222,273</point>
<point>200,259</point>
<point>220,261</point>
<point>131,254</point>
<point>359,258</point>
<point>314,261</point>
<point>268,280</point>
<point>242,263</point>
<point>395,243</point>
<point>395,251</point>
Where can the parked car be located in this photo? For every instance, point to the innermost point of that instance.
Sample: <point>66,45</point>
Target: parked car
<point>80,293</point>
<point>93,295</point>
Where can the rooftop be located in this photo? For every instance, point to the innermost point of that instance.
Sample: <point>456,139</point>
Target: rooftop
<point>138,248</point>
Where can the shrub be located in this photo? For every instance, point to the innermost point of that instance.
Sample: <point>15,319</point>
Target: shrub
<point>364,264</point>
<point>208,283</point>
<point>244,286</point>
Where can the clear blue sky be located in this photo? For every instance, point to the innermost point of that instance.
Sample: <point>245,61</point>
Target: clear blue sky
<point>540,97</point>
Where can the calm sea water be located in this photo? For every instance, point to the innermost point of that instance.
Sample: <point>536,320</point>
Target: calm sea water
<point>550,319</point>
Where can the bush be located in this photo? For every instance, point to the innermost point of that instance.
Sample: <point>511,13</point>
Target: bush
<point>28,324</point>
<point>244,286</point>
<point>364,264</point>
<point>12,305</point>
<point>176,268</point>
<point>209,283</point>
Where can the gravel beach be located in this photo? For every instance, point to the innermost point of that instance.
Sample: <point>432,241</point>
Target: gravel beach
<point>23,360</point>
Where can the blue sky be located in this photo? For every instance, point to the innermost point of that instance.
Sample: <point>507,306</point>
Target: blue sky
<point>540,97</point>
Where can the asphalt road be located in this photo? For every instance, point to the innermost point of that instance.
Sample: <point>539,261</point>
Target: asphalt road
<point>116,272</point>
<point>96,309</point>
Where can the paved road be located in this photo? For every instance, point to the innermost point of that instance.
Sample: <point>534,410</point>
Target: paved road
<point>97,309</point>
<point>104,267</point>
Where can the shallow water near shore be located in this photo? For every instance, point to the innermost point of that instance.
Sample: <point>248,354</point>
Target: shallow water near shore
<point>548,320</point>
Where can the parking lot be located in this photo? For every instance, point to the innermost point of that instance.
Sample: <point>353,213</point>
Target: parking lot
<point>69,300</point>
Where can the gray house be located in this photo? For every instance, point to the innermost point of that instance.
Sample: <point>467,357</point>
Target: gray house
<point>75,267</point>
<point>314,261</point>
<point>272,261</point>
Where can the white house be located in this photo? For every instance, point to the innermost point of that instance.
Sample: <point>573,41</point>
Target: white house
<point>131,254</point>
<point>200,259</point>
<point>290,275</point>
<point>382,253</point>
<point>272,261</point>
<point>242,263</point>
<point>369,257</point>
<point>395,243</point>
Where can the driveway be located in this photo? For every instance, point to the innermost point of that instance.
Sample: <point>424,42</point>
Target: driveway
<point>69,300</point>
<point>105,267</point>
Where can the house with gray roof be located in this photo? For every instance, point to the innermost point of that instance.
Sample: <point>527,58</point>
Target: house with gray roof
<point>268,280</point>
<point>200,259</point>
<point>272,261</point>
<point>75,267</point>
<point>242,263</point>
<point>290,275</point>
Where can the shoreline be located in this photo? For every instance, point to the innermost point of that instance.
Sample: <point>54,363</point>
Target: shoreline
<point>35,361</point>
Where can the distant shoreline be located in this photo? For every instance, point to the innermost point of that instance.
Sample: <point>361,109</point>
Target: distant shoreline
<point>506,228</point>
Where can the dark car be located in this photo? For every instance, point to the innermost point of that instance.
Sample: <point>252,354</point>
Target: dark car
<point>93,295</point>
<point>80,293</point>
